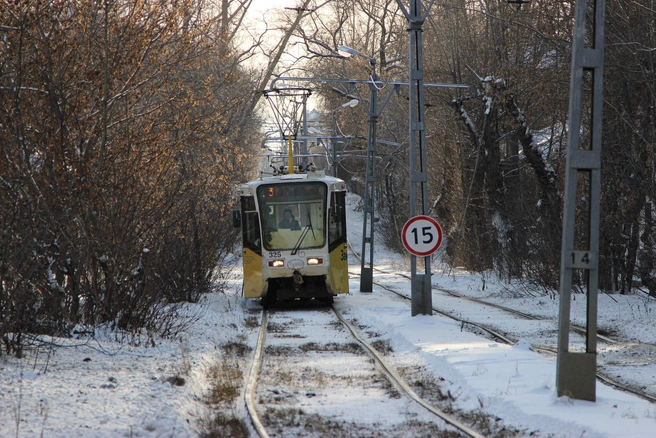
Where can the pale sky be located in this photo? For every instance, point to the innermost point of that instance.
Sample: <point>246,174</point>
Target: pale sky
<point>268,10</point>
<point>263,5</point>
<point>273,12</point>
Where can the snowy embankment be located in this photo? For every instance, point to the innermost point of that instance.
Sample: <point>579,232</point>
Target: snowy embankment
<point>83,388</point>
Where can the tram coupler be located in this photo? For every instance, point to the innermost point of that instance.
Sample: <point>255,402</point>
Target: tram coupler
<point>298,280</point>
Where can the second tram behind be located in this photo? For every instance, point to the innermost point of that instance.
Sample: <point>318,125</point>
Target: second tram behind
<point>294,237</point>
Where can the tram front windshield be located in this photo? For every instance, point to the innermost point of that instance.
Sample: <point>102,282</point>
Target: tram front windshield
<point>292,215</point>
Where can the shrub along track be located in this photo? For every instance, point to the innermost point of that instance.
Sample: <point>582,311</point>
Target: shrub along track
<point>319,380</point>
<point>510,340</point>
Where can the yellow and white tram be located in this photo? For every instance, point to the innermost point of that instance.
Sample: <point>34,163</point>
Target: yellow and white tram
<point>294,237</point>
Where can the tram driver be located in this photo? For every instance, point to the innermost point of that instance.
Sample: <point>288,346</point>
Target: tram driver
<point>289,221</point>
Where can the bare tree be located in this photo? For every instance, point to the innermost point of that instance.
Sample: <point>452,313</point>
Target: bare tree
<point>119,153</point>
<point>628,154</point>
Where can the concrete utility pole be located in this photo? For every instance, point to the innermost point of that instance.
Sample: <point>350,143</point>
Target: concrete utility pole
<point>422,300</point>
<point>576,372</point>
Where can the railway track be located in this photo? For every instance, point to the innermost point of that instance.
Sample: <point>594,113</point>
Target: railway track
<point>523,315</point>
<point>510,340</point>
<point>292,392</point>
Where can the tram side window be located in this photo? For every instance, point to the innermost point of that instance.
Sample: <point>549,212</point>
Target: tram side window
<point>251,225</point>
<point>337,221</point>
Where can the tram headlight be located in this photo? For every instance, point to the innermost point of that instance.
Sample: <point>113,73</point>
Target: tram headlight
<point>276,263</point>
<point>315,261</point>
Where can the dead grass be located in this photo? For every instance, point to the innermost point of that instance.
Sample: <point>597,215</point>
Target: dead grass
<point>290,422</point>
<point>222,426</point>
<point>284,377</point>
<point>273,350</point>
<point>251,322</point>
<point>274,327</point>
<point>225,382</point>
<point>294,422</point>
<point>383,346</point>
<point>430,388</point>
<point>238,349</point>
<point>351,347</point>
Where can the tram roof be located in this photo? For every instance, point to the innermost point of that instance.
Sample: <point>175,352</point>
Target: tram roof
<point>334,184</point>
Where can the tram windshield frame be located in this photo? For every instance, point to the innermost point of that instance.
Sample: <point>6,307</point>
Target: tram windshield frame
<point>306,228</point>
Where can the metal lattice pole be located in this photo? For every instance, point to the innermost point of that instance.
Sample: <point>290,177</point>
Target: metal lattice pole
<point>367,258</point>
<point>576,371</point>
<point>422,302</point>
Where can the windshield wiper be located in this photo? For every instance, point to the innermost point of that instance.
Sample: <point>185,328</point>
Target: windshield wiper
<point>307,228</point>
<point>310,224</point>
<point>300,240</point>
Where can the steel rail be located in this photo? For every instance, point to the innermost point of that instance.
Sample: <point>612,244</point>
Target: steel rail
<point>251,386</point>
<point>489,330</point>
<point>574,328</point>
<point>510,341</point>
<point>524,315</point>
<point>401,384</point>
<point>544,349</point>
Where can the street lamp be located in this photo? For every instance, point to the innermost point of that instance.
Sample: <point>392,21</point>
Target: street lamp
<point>333,138</point>
<point>347,52</point>
<point>366,272</point>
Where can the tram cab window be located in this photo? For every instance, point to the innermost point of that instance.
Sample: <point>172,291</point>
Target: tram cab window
<point>293,215</point>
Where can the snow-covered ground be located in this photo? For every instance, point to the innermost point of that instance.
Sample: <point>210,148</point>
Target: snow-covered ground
<point>100,387</point>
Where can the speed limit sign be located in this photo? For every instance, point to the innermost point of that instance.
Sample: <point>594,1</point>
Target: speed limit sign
<point>422,235</point>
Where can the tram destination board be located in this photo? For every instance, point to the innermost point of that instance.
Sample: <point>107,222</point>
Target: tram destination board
<point>422,235</point>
